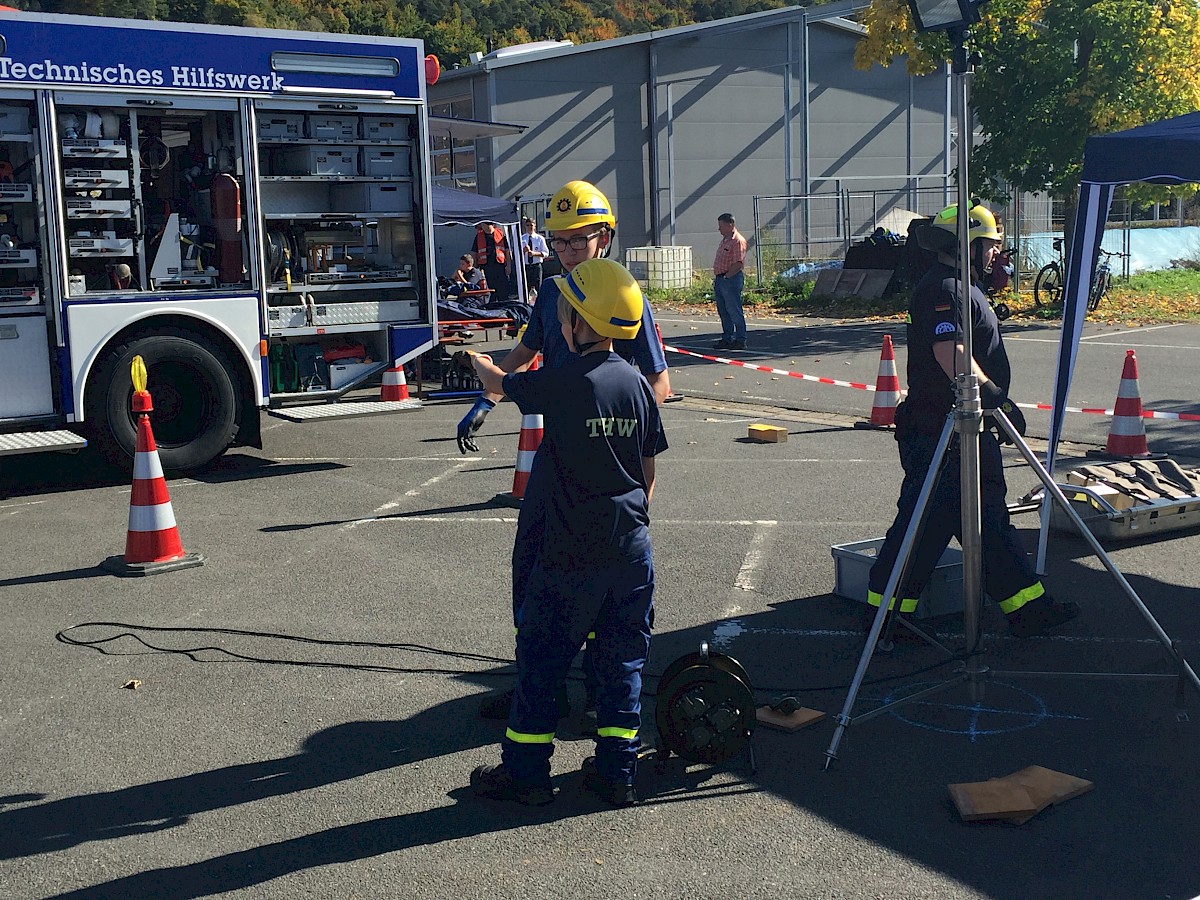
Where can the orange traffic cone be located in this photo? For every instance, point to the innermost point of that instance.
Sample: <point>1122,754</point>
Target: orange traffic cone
<point>887,387</point>
<point>395,386</point>
<point>152,543</point>
<point>1127,434</point>
<point>527,446</point>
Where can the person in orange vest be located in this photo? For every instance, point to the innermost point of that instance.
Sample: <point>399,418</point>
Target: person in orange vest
<point>491,255</point>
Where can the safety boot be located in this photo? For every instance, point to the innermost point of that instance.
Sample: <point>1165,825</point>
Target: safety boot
<point>1040,615</point>
<point>497,783</point>
<point>614,793</point>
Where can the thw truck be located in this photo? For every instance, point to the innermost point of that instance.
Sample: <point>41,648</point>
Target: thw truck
<point>247,210</point>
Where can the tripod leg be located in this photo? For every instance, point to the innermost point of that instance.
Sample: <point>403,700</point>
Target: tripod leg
<point>893,583</point>
<point>1053,490</point>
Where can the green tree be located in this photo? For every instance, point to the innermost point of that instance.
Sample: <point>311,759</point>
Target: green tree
<point>1052,73</point>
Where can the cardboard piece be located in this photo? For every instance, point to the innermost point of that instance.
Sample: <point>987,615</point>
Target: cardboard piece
<point>1046,787</point>
<point>998,799</point>
<point>767,434</point>
<point>789,722</point>
<point>1116,499</point>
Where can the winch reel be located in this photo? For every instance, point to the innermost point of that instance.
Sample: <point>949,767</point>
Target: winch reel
<point>705,708</point>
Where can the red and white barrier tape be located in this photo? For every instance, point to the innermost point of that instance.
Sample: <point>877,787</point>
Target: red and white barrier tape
<point>768,369</point>
<point>1146,413</point>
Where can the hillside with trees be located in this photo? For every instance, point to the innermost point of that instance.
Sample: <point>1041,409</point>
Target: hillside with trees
<point>451,29</point>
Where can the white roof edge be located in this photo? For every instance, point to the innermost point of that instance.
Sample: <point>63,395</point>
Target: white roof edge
<point>832,14</point>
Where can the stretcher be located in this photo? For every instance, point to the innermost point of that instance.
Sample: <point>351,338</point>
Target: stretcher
<point>1125,500</point>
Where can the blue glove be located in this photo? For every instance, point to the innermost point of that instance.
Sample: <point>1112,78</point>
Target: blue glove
<point>471,423</point>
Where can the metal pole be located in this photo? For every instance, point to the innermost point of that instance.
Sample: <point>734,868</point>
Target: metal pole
<point>969,412</point>
<point>911,532</point>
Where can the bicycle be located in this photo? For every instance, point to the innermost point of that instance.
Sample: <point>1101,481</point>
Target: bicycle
<point>1049,283</point>
<point>1103,278</point>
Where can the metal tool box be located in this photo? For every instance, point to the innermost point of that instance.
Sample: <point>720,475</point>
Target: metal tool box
<point>942,595</point>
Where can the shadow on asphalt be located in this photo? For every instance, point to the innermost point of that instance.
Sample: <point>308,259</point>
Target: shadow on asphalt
<point>52,473</point>
<point>1130,837</point>
<point>771,343</point>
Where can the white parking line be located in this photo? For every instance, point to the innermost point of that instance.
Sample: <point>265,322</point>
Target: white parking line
<point>755,554</point>
<point>1132,331</point>
<point>1126,344</point>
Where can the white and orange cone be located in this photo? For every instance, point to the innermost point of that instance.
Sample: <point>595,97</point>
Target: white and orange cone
<point>527,446</point>
<point>395,386</point>
<point>887,387</point>
<point>1127,434</point>
<point>152,542</point>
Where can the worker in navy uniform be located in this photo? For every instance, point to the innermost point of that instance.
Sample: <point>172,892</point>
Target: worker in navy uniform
<point>589,561</point>
<point>934,353</point>
<point>581,225</point>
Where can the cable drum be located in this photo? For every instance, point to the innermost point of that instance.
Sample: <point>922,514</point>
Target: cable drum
<point>705,711</point>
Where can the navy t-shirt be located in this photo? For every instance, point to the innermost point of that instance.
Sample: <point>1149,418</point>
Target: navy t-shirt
<point>543,333</point>
<point>599,420</point>
<point>932,319</point>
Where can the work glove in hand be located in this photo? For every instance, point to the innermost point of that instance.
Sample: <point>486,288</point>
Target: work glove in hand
<point>994,398</point>
<point>471,423</point>
<point>1014,415</point>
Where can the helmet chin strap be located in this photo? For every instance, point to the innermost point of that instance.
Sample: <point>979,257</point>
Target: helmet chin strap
<point>576,347</point>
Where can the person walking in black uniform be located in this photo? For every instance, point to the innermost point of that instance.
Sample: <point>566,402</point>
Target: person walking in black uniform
<point>934,352</point>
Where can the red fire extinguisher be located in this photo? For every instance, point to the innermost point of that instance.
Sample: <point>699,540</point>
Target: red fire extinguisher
<point>227,217</point>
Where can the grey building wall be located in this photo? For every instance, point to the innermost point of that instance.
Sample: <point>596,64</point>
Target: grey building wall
<point>679,126</point>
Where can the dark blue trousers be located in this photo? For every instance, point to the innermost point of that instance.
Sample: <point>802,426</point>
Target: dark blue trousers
<point>608,589</point>
<point>1008,575</point>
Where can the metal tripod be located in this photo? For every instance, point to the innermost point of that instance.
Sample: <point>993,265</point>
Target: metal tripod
<point>973,673</point>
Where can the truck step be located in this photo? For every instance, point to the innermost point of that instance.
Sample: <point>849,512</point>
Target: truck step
<point>343,410</point>
<point>39,442</point>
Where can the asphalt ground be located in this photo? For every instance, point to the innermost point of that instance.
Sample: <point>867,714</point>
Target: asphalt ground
<point>305,768</point>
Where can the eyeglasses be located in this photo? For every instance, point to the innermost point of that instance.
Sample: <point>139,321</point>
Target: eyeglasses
<point>575,242</point>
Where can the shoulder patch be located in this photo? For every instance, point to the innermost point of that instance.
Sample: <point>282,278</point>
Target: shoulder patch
<point>941,308</point>
<point>945,328</point>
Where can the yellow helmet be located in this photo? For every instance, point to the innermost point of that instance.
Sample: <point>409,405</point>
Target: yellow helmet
<point>578,203</point>
<point>983,223</point>
<point>606,295</point>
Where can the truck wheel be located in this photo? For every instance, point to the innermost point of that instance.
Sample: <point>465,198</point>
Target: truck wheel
<point>195,402</point>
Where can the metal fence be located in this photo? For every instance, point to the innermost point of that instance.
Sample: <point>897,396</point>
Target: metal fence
<point>792,232</point>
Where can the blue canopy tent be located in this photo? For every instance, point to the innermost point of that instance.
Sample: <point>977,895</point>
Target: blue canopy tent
<point>453,207</point>
<point>1166,152</point>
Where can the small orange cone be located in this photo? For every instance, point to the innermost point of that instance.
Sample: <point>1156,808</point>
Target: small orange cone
<point>1127,434</point>
<point>152,543</point>
<point>395,386</point>
<point>887,387</point>
<point>527,446</point>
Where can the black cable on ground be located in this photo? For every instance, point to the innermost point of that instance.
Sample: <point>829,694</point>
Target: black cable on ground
<point>191,653</point>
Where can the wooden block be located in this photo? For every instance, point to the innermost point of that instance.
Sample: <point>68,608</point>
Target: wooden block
<point>792,721</point>
<point>996,799</point>
<point>1046,787</point>
<point>767,434</point>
